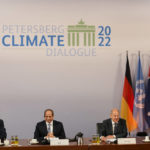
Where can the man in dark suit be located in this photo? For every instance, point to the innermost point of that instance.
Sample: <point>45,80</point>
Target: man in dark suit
<point>3,134</point>
<point>114,127</point>
<point>49,127</point>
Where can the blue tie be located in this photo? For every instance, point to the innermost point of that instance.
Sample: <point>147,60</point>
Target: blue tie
<point>49,129</point>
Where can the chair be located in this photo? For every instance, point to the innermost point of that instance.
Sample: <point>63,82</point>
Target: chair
<point>99,127</point>
<point>141,134</point>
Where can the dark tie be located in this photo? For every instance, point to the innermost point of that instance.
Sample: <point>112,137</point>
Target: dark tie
<point>115,129</point>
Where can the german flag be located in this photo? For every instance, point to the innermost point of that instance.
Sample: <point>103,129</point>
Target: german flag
<point>128,100</point>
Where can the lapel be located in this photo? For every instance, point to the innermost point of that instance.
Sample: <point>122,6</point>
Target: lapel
<point>118,125</point>
<point>54,127</point>
<point>45,128</point>
<point>110,125</point>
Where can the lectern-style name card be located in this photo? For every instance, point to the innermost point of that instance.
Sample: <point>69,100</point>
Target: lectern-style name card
<point>126,140</point>
<point>59,142</point>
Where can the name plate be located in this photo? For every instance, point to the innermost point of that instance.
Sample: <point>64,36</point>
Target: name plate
<point>126,140</point>
<point>59,142</point>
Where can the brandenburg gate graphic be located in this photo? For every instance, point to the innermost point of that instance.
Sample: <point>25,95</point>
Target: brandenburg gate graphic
<point>74,32</point>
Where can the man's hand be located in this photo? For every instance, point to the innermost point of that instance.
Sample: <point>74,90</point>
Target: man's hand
<point>103,138</point>
<point>110,137</point>
<point>50,135</point>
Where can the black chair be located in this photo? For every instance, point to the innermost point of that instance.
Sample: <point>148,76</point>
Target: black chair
<point>99,127</point>
<point>141,134</point>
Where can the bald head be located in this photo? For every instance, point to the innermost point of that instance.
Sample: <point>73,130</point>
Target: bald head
<point>114,115</point>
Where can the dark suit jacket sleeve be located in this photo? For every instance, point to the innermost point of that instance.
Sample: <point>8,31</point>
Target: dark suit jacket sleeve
<point>3,134</point>
<point>123,129</point>
<point>58,129</point>
<point>37,133</point>
<point>62,133</point>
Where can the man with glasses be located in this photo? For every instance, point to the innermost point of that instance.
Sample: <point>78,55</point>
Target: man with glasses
<point>114,127</point>
<point>49,128</point>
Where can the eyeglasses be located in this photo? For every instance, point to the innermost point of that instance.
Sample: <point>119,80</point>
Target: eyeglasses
<point>116,116</point>
<point>48,116</point>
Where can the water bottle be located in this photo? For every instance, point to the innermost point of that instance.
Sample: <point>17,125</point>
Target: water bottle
<point>12,140</point>
<point>80,141</point>
<point>16,140</point>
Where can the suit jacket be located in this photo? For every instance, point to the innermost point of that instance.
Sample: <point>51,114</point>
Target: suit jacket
<point>3,134</point>
<point>41,130</point>
<point>121,129</point>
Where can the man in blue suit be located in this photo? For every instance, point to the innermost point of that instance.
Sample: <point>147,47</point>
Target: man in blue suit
<point>114,127</point>
<point>3,133</point>
<point>49,128</point>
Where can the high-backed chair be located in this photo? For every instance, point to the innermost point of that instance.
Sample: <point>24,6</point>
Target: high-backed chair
<point>99,127</point>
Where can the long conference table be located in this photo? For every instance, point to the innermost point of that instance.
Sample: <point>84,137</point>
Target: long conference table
<point>24,145</point>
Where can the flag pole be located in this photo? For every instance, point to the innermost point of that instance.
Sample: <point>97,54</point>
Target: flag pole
<point>127,53</point>
<point>139,53</point>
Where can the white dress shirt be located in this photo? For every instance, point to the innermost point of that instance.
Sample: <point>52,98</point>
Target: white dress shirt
<point>51,126</point>
<point>113,128</point>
